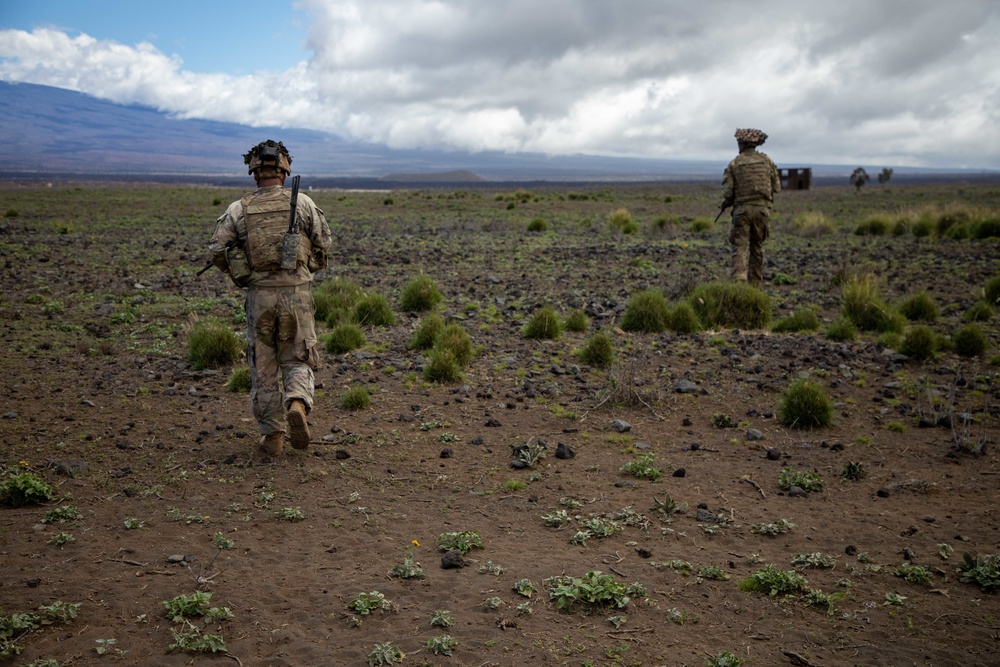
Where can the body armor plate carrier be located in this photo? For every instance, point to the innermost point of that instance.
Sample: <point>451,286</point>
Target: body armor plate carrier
<point>266,217</point>
<point>753,179</point>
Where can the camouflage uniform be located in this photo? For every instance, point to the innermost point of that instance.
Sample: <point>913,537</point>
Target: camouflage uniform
<point>281,332</point>
<point>748,185</point>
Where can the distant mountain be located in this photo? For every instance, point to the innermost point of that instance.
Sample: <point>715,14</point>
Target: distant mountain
<point>51,132</point>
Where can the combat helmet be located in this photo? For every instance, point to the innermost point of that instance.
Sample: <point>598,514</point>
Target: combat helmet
<point>750,137</point>
<point>268,158</point>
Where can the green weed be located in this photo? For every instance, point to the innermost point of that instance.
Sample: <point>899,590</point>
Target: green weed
<point>805,406</point>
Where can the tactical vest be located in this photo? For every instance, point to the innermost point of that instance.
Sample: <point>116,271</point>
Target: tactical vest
<point>265,215</point>
<point>752,173</point>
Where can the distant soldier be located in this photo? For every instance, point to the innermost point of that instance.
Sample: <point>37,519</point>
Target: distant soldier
<point>748,186</point>
<point>281,333</point>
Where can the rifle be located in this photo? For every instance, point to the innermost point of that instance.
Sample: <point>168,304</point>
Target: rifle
<point>721,211</point>
<point>290,244</point>
<point>209,263</point>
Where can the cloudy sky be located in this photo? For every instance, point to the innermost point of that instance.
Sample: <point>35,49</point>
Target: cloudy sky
<point>880,83</point>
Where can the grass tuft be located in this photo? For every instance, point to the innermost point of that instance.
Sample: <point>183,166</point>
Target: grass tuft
<point>730,304</point>
<point>212,344</point>
<point>345,337</point>
<point>647,312</point>
<point>598,351</point>
<point>805,406</point>
<point>543,325</point>
<point>420,295</point>
<point>373,310</point>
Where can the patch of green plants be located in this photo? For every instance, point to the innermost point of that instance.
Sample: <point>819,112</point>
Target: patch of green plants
<point>442,366</point>
<point>980,311</point>
<point>598,351</point>
<point>293,514</point>
<point>192,640</point>
<point>731,304</point>
<point>538,225</point>
<point>25,488</point>
<point>335,300</point>
<point>842,330</point>
<point>384,654</point>
<point>366,603</point>
<point>970,341</point>
<point>643,468</point>
<point>441,618</point>
<point>455,338</point>
<point>372,309</point>
<point>771,581</point>
<point>593,588</point>
<point>804,319</point>
<point>805,406</point>
<point>531,453</point>
<point>804,479</point>
<point>724,659</point>
<point>722,420</point>
<point>816,559</point>
<point>863,306</point>
<point>771,529</point>
<point>441,644</point>
<point>919,343</point>
<point>915,574</point>
<point>60,539</point>
<point>344,337</point>
<point>463,541</point>
<point>420,295</point>
<point>524,587</point>
<point>357,397</point>
<point>408,569</point>
<point>427,332</point>
<point>577,321</point>
<point>221,542</point>
<point>712,572</point>
<point>683,319</point>
<point>556,518</point>
<point>13,627</point>
<point>854,471</point>
<point>646,312</point>
<point>620,220</point>
<point>543,325</point>
<point>919,307</point>
<point>983,569</point>
<point>62,514</point>
<point>213,344</point>
<point>873,225</point>
<point>239,380</point>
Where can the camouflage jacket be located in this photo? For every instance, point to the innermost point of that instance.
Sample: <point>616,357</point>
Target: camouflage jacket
<point>751,179</point>
<point>314,227</point>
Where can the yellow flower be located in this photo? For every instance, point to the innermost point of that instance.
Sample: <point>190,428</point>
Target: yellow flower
<point>24,464</point>
<point>415,543</point>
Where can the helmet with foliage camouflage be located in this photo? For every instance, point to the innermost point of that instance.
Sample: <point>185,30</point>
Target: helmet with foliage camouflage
<point>268,157</point>
<point>750,137</point>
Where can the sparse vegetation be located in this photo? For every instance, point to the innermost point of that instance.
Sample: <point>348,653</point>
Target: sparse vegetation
<point>344,337</point>
<point>420,295</point>
<point>805,405</point>
<point>212,344</point>
<point>373,310</point>
<point>646,312</point>
<point>543,325</point>
<point>731,304</point>
<point>598,351</point>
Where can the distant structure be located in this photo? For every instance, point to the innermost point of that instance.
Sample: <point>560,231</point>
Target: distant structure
<point>796,178</point>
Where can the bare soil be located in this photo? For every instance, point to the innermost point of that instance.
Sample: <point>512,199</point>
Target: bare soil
<point>98,398</point>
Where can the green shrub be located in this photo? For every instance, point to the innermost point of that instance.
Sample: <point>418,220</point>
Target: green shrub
<point>345,337</point>
<point>335,299</point>
<point>456,339</point>
<point>442,366</point>
<point>683,320</point>
<point>428,331</point>
<point>864,306</point>
<point>538,225</point>
<point>889,341</point>
<point>598,351</point>
<point>813,224</point>
<point>919,308</point>
<point>970,341</point>
<point>874,225</point>
<point>577,322</point>
<point>213,344</point>
<point>647,312</point>
<point>239,380</point>
<point>958,232</point>
<point>804,479</point>
<point>665,222</point>
<point>420,294</point>
<point>619,219</point>
<point>702,225</point>
<point>543,325</point>
<point>373,310</point>
<point>731,304</point>
<point>842,329</point>
<point>805,405</point>
<point>987,229</point>
<point>901,227</point>
<point>25,488</point>
<point>772,581</point>
<point>922,228</point>
<point>804,319</point>
<point>357,397</point>
<point>919,343</point>
<point>991,291</point>
<point>979,312</point>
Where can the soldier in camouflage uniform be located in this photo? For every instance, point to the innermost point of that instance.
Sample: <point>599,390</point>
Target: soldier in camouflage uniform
<point>281,333</point>
<point>748,185</point>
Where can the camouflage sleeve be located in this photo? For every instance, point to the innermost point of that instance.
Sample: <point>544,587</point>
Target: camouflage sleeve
<point>225,232</point>
<point>775,177</point>
<point>319,233</point>
<point>728,187</point>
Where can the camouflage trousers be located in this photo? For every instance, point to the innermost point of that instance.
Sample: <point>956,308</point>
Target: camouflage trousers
<point>750,229</point>
<point>281,352</point>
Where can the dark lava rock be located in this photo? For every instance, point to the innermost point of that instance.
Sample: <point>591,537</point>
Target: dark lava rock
<point>564,452</point>
<point>452,560</point>
<point>797,492</point>
<point>753,434</point>
<point>340,454</point>
<point>882,493</point>
<point>491,422</point>
<point>621,426</point>
<point>773,454</point>
<point>445,453</point>
<point>686,387</point>
<point>704,516</point>
<point>680,472</point>
<point>643,553</point>
<point>685,422</point>
<point>851,550</point>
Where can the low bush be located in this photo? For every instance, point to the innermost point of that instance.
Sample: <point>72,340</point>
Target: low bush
<point>420,295</point>
<point>335,299</point>
<point>731,304</point>
<point>702,225</point>
<point>987,229</point>
<point>543,325</point>
<point>919,343</point>
<point>598,351</point>
<point>239,380</point>
<point>456,339</point>
<point>25,488</point>
<point>344,338</point>
<point>970,341</point>
<point>874,225</point>
<point>805,405</point>
<point>991,291</point>
<point>646,311</point>
<point>427,332</point>
<point>812,224</point>
<point>442,367</point>
<point>683,320</point>
<point>357,397</point>
<point>538,225</point>
<point>842,330</point>
<point>919,308</point>
<point>373,310</point>
<point>577,322</point>
<point>979,312</point>
<point>212,344</point>
<point>621,220</point>
<point>864,306</point>
<point>804,319</point>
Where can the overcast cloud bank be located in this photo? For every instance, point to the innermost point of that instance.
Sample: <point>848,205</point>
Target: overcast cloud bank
<point>895,82</point>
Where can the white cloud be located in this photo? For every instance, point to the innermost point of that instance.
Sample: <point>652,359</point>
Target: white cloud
<point>902,82</point>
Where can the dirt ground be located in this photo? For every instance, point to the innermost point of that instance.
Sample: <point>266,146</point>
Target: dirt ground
<point>161,459</point>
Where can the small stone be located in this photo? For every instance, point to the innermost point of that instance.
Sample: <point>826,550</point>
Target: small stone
<point>341,454</point>
<point>33,583</point>
<point>686,421</point>
<point>564,452</point>
<point>882,493</point>
<point>621,426</point>
<point>175,558</point>
<point>445,453</point>
<point>452,560</point>
<point>851,550</point>
<point>753,434</point>
<point>493,423</point>
<point>797,492</point>
<point>773,454</point>
<point>643,553</point>
<point>704,516</point>
<point>680,472</point>
<point>686,386</point>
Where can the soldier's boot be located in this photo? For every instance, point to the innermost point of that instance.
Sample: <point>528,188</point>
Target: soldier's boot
<point>298,429</point>
<point>270,444</point>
